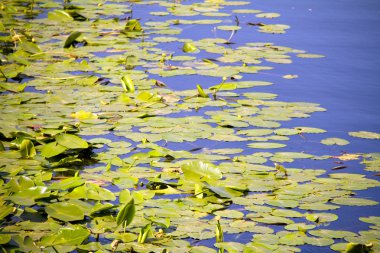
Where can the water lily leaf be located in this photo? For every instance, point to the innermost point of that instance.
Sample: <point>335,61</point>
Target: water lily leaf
<point>358,247</point>
<point>145,232</point>
<point>30,47</point>
<point>189,47</point>
<point>293,239</point>
<point>5,210</point>
<point>73,235</point>
<point>268,15</point>
<point>14,87</point>
<point>371,219</point>
<point>223,192</point>
<point>27,149</point>
<point>318,241</point>
<point>302,227</point>
<point>67,183</point>
<point>71,39</point>
<point>274,220</point>
<point>288,203</point>
<point>202,249</point>
<point>126,213</point>
<point>310,130</point>
<point>201,171</point>
<point>91,191</point>
<point>133,25</point>
<point>286,131</point>
<point>287,213</point>
<point>99,207</point>
<point>305,55</point>
<point>334,234</point>
<point>257,247</point>
<point>231,247</point>
<point>71,141</point>
<point>228,27</point>
<point>321,217</point>
<point>59,15</point>
<point>128,84</point>
<point>27,197</point>
<point>4,238</point>
<point>318,206</point>
<point>365,135</point>
<point>350,201</point>
<point>163,222</point>
<point>232,214</point>
<point>201,92</point>
<point>266,145</point>
<point>65,211</point>
<point>224,86</point>
<point>335,141</point>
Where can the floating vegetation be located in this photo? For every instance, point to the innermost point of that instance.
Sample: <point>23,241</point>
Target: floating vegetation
<point>100,151</point>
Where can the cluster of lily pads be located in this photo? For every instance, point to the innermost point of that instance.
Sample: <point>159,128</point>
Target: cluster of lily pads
<point>100,152</point>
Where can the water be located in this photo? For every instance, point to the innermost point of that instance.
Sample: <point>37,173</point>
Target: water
<point>345,82</point>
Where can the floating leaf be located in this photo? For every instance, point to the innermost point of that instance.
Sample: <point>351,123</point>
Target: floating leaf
<point>73,235</point>
<point>201,171</point>
<point>224,86</point>
<point>30,47</point>
<point>64,211</point>
<point>59,15</point>
<point>52,149</point>
<point>321,217</point>
<point>365,135</point>
<point>350,201</point>
<point>14,87</point>
<point>5,210</point>
<point>232,214</point>
<point>71,141</point>
<point>304,55</point>
<point>67,183</point>
<point>27,197</point>
<point>334,141</point>
<point>228,27</point>
<point>266,145</point>
<point>268,15</point>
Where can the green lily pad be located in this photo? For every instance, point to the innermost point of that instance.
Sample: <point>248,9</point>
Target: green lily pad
<point>232,214</point>
<point>64,211</point>
<point>365,135</point>
<point>266,145</point>
<point>73,235</point>
<point>27,197</point>
<point>335,141</point>
<point>201,171</point>
<point>71,141</point>
<point>354,201</point>
<point>52,149</point>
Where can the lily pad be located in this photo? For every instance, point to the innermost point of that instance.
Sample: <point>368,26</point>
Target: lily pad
<point>365,135</point>
<point>64,211</point>
<point>335,141</point>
